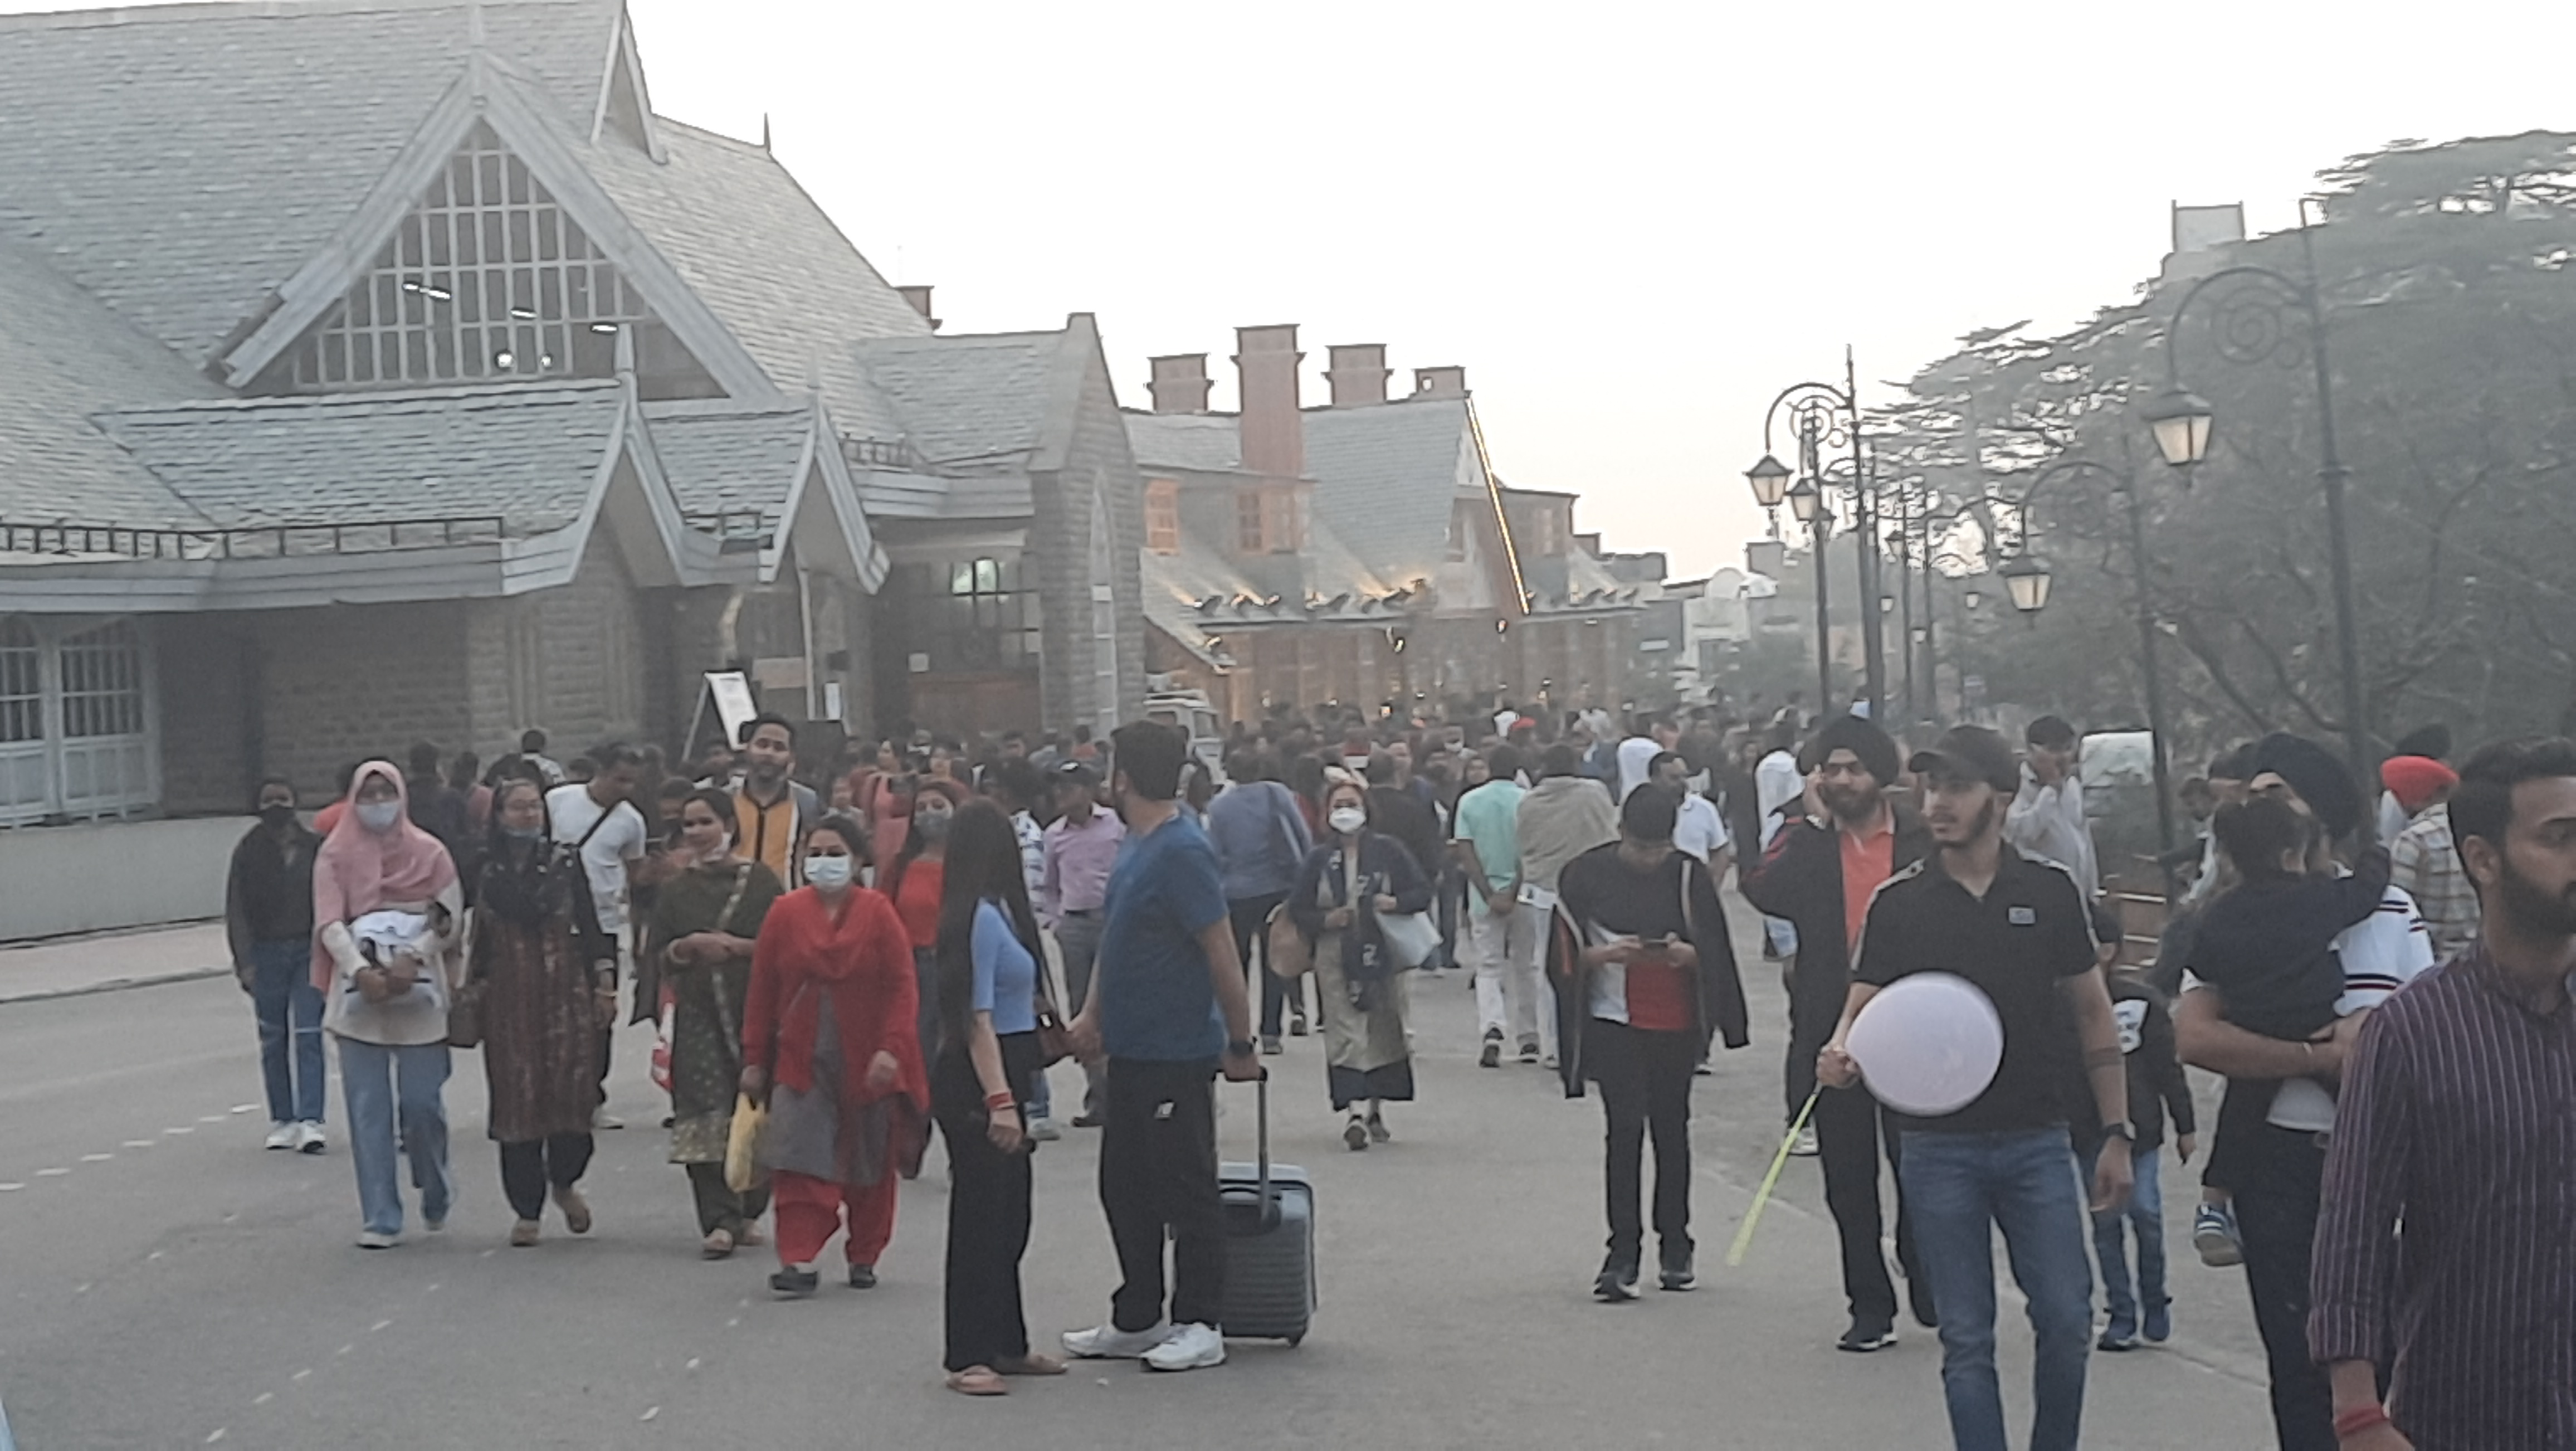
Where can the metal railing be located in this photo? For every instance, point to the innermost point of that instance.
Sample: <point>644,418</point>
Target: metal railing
<point>251,541</point>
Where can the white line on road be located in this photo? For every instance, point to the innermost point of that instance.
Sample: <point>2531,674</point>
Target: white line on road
<point>651,1411</point>
<point>345,1349</point>
<point>156,1254</point>
<point>381,1324</point>
<point>308,1370</point>
<point>264,1397</point>
<point>11,1188</point>
<point>216,1118</point>
<point>254,1108</point>
<point>58,1173</point>
<point>181,1129</point>
<point>140,1143</point>
<point>103,1158</point>
<point>219,1431</point>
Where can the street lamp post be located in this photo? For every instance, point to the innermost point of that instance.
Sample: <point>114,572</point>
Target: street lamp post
<point>1829,417</point>
<point>2249,329</point>
<point>1807,502</point>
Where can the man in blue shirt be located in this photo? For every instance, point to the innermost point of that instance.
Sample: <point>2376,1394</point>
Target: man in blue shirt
<point>1167,1006</point>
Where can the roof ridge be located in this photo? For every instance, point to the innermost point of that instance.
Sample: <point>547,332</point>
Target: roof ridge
<point>552,390</point>
<point>116,15</point>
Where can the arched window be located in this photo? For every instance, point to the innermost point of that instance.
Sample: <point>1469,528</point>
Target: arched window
<point>76,738</point>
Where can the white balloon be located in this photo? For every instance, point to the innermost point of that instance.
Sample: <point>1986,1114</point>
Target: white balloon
<point>1928,1044</point>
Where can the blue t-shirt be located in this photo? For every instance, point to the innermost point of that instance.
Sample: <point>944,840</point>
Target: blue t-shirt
<point>1006,976</point>
<point>1160,1006</point>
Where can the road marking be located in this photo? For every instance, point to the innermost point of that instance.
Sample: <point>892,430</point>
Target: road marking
<point>11,1188</point>
<point>381,1324</point>
<point>181,1129</point>
<point>245,1108</point>
<point>156,1254</point>
<point>103,1158</point>
<point>140,1143</point>
<point>216,1118</point>
<point>693,1360</point>
<point>58,1173</point>
<point>345,1349</point>
<point>651,1411</point>
<point>308,1370</point>
<point>219,1431</point>
<point>263,1398</point>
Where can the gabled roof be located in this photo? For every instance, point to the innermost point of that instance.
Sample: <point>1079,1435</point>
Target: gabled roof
<point>1388,476</point>
<point>183,162</point>
<point>968,402</point>
<point>526,454</point>
<point>64,357</point>
<point>1203,443</point>
<point>724,458</point>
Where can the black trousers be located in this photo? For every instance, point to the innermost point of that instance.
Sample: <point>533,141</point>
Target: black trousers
<point>1849,1134</point>
<point>1816,995</point>
<point>2278,1183</point>
<point>1158,1179</point>
<point>529,1169</point>
<point>988,1210</point>
<point>1645,1079</point>
<point>719,1207</point>
<point>1249,916</point>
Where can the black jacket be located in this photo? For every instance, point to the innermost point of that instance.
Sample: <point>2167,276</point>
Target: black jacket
<point>1801,879</point>
<point>1718,1008</point>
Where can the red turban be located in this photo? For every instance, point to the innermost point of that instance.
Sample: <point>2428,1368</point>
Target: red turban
<point>2416,780</point>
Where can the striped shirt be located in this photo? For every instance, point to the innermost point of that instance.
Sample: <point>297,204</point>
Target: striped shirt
<point>2459,1118</point>
<point>2425,863</point>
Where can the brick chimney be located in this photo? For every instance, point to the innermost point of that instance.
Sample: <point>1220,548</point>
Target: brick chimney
<point>1439,382</point>
<point>1180,383</point>
<point>1358,374</point>
<point>1274,436</point>
<point>919,297</point>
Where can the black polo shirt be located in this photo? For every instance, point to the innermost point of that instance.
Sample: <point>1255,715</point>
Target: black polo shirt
<point>2029,932</point>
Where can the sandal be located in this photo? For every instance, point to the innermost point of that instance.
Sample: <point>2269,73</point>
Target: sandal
<point>719,1244</point>
<point>1033,1363</point>
<point>977,1380</point>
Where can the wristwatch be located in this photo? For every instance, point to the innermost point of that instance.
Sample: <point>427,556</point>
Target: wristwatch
<point>1240,1048</point>
<point>2122,1130</point>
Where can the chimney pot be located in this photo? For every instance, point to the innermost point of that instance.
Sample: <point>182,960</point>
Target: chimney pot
<point>1439,382</point>
<point>1358,374</point>
<point>1272,431</point>
<point>919,297</point>
<point>1180,383</point>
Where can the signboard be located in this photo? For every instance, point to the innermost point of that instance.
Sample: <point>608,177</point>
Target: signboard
<point>730,694</point>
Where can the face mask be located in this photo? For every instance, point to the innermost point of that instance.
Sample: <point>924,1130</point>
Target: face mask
<point>379,815</point>
<point>521,833</point>
<point>1356,765</point>
<point>933,824</point>
<point>277,813</point>
<point>831,873</point>
<point>1348,820</point>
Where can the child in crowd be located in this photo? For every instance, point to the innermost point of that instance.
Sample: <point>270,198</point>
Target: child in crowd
<point>2156,1088</point>
<point>2267,947</point>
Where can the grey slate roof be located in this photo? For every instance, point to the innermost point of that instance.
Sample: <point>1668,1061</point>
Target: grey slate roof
<point>525,453</point>
<point>974,401</point>
<point>1386,476</point>
<point>64,357</point>
<point>722,457</point>
<point>180,162</point>
<point>1209,443</point>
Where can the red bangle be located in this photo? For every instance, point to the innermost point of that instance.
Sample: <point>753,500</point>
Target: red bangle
<point>2359,1419</point>
<point>1003,1099</point>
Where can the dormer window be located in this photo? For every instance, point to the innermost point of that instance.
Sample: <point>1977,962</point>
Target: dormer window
<point>1163,516</point>
<point>487,280</point>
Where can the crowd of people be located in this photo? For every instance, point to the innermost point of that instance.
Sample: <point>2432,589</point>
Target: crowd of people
<point>841,960</point>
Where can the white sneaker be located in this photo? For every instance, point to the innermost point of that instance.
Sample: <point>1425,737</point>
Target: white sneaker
<point>308,1138</point>
<point>281,1135</point>
<point>1108,1342</point>
<point>1043,1129</point>
<point>1804,1146</point>
<point>369,1239</point>
<point>1191,1347</point>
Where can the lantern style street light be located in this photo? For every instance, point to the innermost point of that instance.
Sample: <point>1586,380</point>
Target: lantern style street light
<point>1770,480</point>
<point>2251,326</point>
<point>2026,580</point>
<point>1825,417</point>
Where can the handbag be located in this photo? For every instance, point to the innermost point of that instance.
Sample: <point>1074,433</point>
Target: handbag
<point>1290,955</point>
<point>1411,938</point>
<point>1055,1039</point>
<point>742,1145</point>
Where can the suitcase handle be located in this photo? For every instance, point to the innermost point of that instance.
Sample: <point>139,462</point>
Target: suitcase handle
<point>1261,1117</point>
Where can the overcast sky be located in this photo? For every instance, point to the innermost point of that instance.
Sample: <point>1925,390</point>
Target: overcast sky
<point>1631,224</point>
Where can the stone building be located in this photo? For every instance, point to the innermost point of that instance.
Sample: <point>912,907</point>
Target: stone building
<point>1361,554</point>
<point>387,370</point>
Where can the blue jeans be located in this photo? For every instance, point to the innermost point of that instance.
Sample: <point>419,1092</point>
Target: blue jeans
<point>1959,1189</point>
<point>289,1008</point>
<point>369,1073</point>
<point>2146,1211</point>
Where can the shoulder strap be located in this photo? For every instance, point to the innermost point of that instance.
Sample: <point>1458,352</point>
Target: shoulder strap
<point>741,884</point>
<point>613,809</point>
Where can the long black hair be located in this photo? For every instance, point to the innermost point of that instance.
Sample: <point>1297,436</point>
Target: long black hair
<point>525,883</point>
<point>983,866</point>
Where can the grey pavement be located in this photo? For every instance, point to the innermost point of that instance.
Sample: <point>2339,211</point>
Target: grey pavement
<point>165,1282</point>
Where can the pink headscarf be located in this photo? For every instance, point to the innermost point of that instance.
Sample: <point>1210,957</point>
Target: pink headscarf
<point>358,871</point>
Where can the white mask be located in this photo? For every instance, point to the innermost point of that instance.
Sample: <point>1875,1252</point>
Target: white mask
<point>379,815</point>
<point>831,873</point>
<point>1347,820</point>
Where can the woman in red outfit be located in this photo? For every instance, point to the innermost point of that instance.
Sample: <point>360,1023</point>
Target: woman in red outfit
<point>916,882</point>
<point>830,1040</point>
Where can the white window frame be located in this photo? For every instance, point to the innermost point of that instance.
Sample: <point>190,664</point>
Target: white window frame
<point>59,778</point>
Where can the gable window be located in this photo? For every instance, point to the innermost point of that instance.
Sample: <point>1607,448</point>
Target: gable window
<point>969,614</point>
<point>1270,519</point>
<point>486,280</point>
<point>1163,516</point>
<point>75,721</point>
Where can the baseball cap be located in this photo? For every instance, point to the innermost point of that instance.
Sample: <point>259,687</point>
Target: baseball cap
<point>1075,773</point>
<point>1973,752</point>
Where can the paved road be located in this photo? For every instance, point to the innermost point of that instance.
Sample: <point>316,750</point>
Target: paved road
<point>164,1282</point>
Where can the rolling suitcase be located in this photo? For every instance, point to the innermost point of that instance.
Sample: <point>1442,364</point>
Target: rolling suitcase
<point>1270,1243</point>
